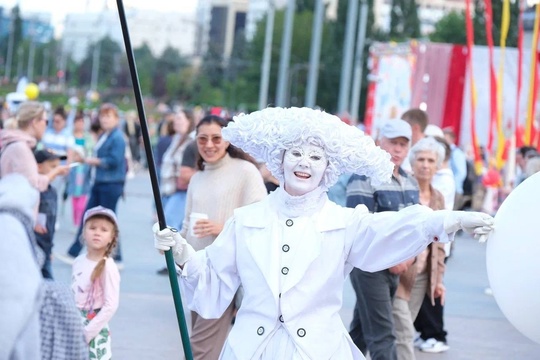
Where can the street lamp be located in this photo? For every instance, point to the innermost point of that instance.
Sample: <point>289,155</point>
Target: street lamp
<point>358,62</point>
<point>95,65</point>
<point>45,69</point>
<point>31,54</point>
<point>286,41</point>
<point>265,66</point>
<point>293,74</point>
<point>9,56</point>
<point>20,53</point>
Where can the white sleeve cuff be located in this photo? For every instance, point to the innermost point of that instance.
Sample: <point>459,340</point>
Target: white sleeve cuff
<point>434,227</point>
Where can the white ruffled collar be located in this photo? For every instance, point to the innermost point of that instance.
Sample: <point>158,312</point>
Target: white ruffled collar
<point>296,206</point>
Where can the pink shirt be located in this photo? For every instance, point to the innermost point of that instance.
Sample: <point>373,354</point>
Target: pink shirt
<point>18,157</point>
<point>106,292</point>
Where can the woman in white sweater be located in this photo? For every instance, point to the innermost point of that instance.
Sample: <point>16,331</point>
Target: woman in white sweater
<point>226,180</point>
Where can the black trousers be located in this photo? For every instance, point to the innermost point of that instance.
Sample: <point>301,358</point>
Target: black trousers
<point>429,321</point>
<point>372,327</point>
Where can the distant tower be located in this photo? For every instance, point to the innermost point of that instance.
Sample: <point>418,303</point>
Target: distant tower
<point>221,21</point>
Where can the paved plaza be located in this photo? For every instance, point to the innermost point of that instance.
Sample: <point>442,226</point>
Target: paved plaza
<point>145,325</point>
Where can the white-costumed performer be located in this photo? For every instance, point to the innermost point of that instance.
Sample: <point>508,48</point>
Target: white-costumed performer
<point>293,250</point>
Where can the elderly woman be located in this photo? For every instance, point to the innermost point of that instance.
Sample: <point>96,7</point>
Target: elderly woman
<point>293,250</point>
<point>425,275</point>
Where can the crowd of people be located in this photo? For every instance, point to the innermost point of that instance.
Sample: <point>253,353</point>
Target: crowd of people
<point>267,215</point>
<point>279,254</point>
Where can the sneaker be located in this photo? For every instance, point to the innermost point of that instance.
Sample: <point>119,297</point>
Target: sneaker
<point>418,342</point>
<point>65,258</point>
<point>434,346</point>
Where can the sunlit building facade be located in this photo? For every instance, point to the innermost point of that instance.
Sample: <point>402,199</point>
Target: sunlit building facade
<point>156,29</point>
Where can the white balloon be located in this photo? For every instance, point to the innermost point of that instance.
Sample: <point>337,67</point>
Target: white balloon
<point>513,258</point>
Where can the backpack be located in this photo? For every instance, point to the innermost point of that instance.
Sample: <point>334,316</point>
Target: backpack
<point>61,325</point>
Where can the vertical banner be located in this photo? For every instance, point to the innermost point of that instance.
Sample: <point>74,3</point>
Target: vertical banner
<point>505,24</point>
<point>392,75</point>
<point>531,107</point>
<point>470,42</point>
<point>518,140</point>
<point>371,88</point>
<point>488,14</point>
<point>455,91</point>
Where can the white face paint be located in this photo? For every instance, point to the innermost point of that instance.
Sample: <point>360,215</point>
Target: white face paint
<point>303,169</point>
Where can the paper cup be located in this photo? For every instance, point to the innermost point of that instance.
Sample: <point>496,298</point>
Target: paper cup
<point>193,218</point>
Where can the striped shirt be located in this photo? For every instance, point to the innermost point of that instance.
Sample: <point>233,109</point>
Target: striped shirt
<point>394,196</point>
<point>58,142</point>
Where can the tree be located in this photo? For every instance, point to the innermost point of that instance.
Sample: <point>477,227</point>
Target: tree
<point>305,5</point>
<point>240,78</point>
<point>332,55</point>
<point>450,29</point>
<point>145,67</point>
<point>497,9</point>
<point>45,60</point>
<point>299,57</point>
<point>404,22</point>
<point>109,59</point>
<point>15,30</point>
<point>17,26</point>
<point>169,62</point>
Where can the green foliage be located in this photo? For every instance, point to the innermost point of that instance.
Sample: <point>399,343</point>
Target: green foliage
<point>232,82</point>
<point>169,62</point>
<point>450,29</point>
<point>145,67</point>
<point>301,42</point>
<point>305,5</point>
<point>109,54</point>
<point>18,33</point>
<point>480,23</point>
<point>404,22</point>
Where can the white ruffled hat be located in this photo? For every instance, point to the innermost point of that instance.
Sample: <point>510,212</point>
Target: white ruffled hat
<point>267,133</point>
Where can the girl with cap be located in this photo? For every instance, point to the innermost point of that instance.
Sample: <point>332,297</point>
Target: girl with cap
<point>293,250</point>
<point>96,279</point>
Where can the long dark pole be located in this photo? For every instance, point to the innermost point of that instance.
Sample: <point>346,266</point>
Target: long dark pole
<point>154,180</point>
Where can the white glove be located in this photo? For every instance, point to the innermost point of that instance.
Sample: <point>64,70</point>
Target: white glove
<point>170,239</point>
<point>475,223</point>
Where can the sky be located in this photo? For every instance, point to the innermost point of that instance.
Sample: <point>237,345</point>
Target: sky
<point>59,8</point>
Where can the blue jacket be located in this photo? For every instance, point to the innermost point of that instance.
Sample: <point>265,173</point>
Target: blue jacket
<point>113,160</point>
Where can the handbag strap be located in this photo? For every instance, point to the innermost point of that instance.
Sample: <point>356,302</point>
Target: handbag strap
<point>89,303</point>
<point>27,224</point>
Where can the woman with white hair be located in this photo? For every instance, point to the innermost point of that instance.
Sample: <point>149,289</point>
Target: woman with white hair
<point>532,166</point>
<point>425,275</point>
<point>293,250</point>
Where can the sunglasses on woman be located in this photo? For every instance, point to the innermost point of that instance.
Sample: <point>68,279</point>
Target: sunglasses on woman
<point>203,140</point>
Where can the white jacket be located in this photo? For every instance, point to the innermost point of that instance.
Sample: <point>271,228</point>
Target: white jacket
<point>304,287</point>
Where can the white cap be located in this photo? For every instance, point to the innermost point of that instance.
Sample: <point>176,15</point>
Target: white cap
<point>433,130</point>
<point>396,128</point>
<point>100,210</point>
